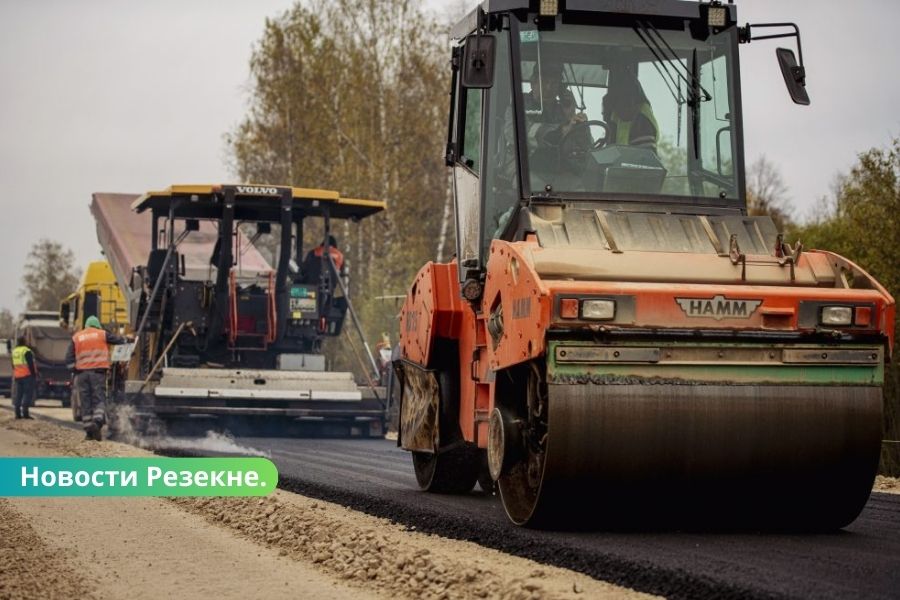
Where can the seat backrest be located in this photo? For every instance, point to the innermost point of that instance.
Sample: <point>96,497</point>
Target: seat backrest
<point>155,263</point>
<point>312,268</point>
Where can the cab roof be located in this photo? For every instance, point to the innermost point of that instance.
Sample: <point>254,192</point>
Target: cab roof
<point>254,202</point>
<point>682,9</point>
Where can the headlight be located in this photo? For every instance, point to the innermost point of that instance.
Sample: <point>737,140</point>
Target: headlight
<point>836,315</point>
<point>548,8</point>
<point>598,310</point>
<point>717,16</point>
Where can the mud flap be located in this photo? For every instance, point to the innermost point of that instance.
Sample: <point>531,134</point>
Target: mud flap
<point>420,393</point>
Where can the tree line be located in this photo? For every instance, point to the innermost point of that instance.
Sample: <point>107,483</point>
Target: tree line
<point>50,274</point>
<point>351,95</point>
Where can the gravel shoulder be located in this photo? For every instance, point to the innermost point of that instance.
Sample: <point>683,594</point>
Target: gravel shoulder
<point>31,568</point>
<point>136,547</point>
<point>888,485</point>
<point>279,546</point>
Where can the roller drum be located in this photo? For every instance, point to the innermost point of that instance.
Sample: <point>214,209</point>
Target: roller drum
<point>764,456</point>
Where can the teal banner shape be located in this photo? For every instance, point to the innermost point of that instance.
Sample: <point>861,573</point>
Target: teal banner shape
<point>60,477</point>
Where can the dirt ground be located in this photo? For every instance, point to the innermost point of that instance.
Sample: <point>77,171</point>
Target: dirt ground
<point>283,545</point>
<point>890,485</point>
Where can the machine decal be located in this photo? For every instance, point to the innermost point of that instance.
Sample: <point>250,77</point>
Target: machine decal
<point>257,190</point>
<point>412,319</point>
<point>521,308</point>
<point>718,307</point>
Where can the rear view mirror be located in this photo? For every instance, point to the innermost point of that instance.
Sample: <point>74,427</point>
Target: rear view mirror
<point>793,72</point>
<point>794,75</point>
<point>478,62</point>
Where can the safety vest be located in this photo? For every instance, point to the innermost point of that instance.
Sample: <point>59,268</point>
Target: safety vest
<point>336,255</point>
<point>20,362</point>
<point>623,128</point>
<point>91,351</point>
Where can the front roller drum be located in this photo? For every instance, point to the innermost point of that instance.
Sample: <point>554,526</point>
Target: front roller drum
<point>798,457</point>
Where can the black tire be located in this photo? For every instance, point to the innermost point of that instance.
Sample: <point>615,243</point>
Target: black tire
<point>451,471</point>
<point>453,468</point>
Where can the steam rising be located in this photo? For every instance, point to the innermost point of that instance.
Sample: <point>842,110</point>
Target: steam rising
<point>155,437</point>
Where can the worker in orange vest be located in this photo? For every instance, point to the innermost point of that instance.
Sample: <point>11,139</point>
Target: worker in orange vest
<point>316,263</point>
<point>88,355</point>
<point>313,261</point>
<point>25,375</point>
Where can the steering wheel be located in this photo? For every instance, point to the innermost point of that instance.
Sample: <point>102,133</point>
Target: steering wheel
<point>572,146</point>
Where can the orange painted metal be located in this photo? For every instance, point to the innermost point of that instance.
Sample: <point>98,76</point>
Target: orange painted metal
<point>656,306</point>
<point>513,284</point>
<point>515,294</point>
<point>433,309</point>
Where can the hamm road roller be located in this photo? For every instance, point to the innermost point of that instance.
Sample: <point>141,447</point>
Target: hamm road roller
<point>616,340</point>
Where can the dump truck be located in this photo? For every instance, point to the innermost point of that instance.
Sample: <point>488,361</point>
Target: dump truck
<point>220,332</point>
<point>49,343</point>
<point>617,341</point>
<point>98,295</point>
<point>6,369</point>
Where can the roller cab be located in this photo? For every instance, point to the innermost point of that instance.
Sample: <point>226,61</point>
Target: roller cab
<point>617,342</point>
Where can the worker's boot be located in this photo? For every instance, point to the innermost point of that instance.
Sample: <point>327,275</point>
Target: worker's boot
<point>98,431</point>
<point>18,413</point>
<point>25,414</point>
<point>90,431</point>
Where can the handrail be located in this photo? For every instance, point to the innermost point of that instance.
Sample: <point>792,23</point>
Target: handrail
<point>272,330</point>
<point>232,308</point>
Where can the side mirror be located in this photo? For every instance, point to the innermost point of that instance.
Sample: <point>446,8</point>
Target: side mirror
<point>478,62</point>
<point>64,315</point>
<point>794,75</point>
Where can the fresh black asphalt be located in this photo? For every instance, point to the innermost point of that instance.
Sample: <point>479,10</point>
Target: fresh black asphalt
<point>374,476</point>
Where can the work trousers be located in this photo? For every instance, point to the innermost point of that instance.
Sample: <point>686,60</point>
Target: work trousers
<point>91,386</point>
<point>24,394</point>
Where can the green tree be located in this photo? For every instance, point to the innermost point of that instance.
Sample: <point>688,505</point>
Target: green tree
<point>863,224</point>
<point>50,275</point>
<point>351,95</point>
<point>7,323</point>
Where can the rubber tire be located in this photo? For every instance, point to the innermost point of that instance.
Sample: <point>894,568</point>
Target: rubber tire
<point>449,472</point>
<point>453,469</point>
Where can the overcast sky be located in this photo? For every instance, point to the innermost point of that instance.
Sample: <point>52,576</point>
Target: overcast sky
<point>105,95</point>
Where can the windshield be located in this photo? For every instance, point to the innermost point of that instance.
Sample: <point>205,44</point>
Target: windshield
<point>629,110</point>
